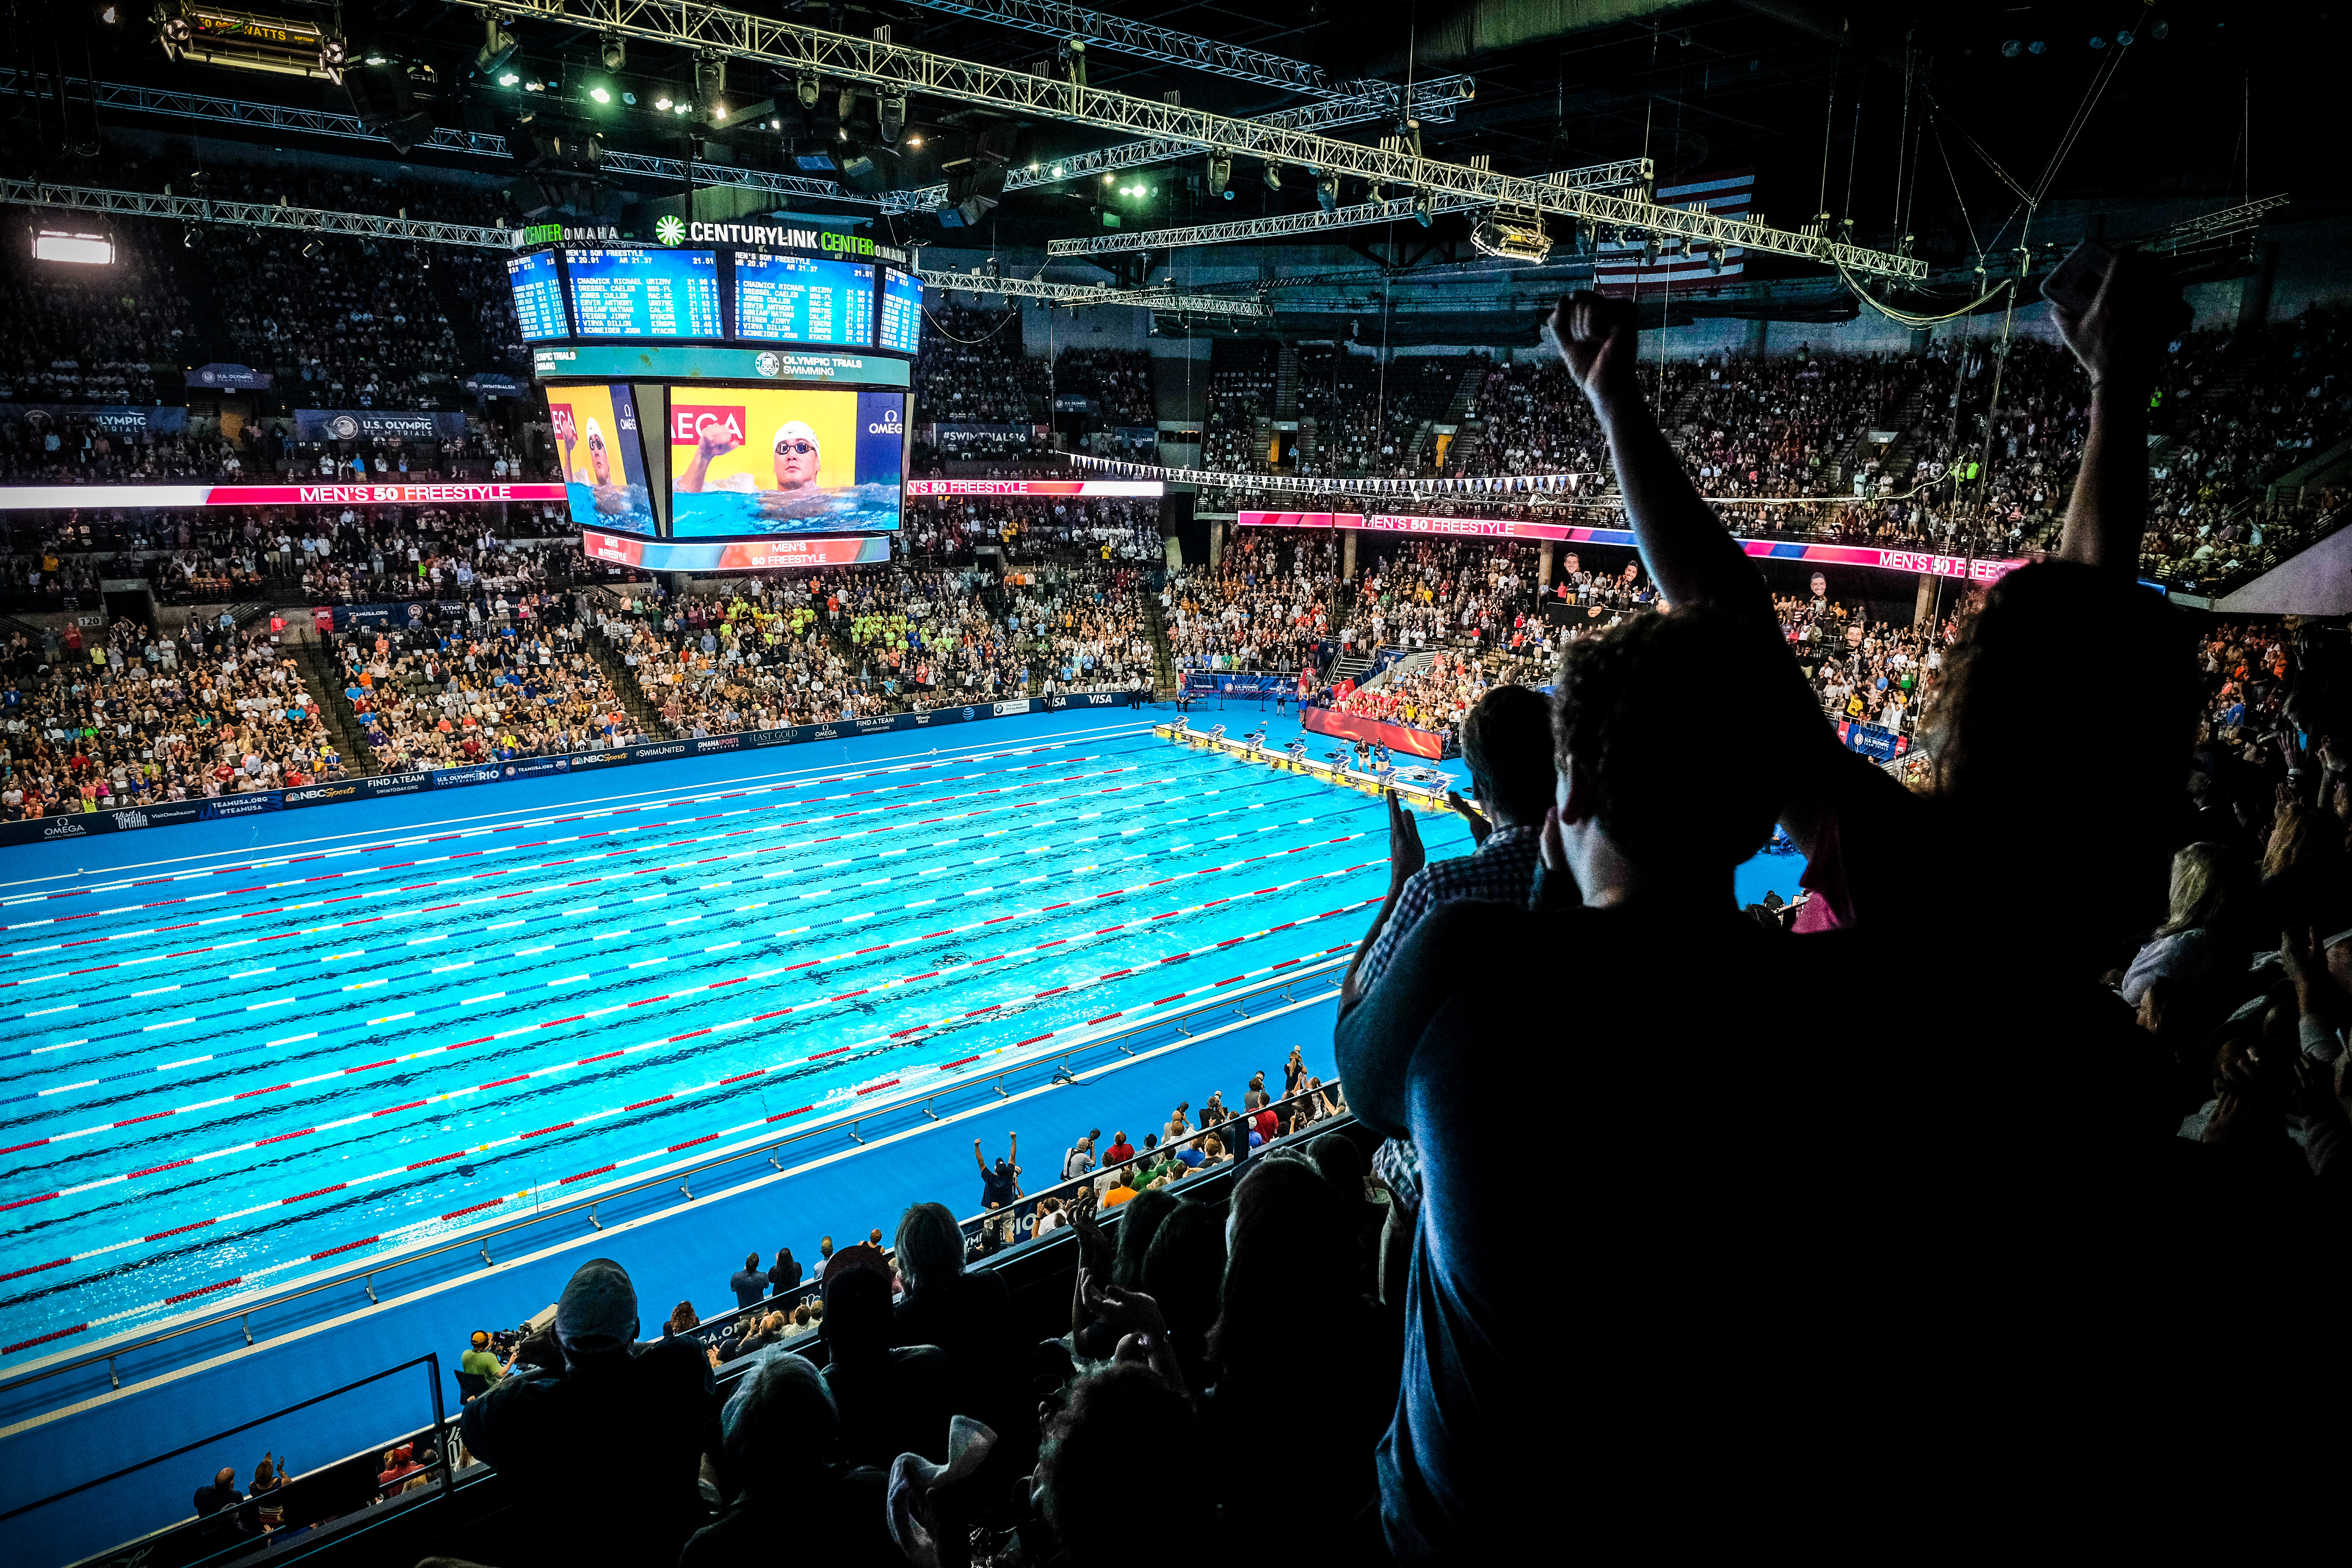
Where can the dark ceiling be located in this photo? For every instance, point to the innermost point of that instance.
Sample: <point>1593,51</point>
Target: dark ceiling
<point>1923,124</point>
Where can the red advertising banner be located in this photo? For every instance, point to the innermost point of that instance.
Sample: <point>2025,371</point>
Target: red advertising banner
<point>1395,737</point>
<point>30,498</point>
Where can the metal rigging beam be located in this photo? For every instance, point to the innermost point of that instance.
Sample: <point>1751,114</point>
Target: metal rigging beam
<point>205,107</point>
<point>1626,172</point>
<point>250,215</point>
<point>729,174</point>
<point>1145,41</point>
<point>2212,226</point>
<point>1433,101</point>
<point>792,46</point>
<point>1167,300</point>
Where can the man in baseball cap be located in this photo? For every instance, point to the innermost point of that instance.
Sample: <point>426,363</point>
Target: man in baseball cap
<point>657,1402</point>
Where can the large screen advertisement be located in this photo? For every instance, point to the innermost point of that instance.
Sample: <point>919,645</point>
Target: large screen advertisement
<point>538,296</point>
<point>902,312</point>
<point>644,294</point>
<point>803,300</point>
<point>759,460</point>
<point>604,466</point>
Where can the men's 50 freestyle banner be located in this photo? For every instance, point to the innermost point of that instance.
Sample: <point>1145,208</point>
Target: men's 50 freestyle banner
<point>335,792</point>
<point>1913,561</point>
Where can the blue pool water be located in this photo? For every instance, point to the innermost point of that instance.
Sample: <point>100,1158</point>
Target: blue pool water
<point>219,1083</point>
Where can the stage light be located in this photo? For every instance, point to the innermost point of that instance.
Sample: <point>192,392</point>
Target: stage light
<point>2124,38</point>
<point>630,99</point>
<point>890,112</point>
<point>2012,49</point>
<point>616,53</point>
<point>2159,30</point>
<point>507,79</point>
<point>1326,192</point>
<point>663,101</point>
<point>808,89</point>
<point>1108,179</point>
<point>2036,46</point>
<point>775,125</point>
<point>914,140</point>
<point>1058,171</point>
<point>498,47</point>
<point>600,95</point>
<point>1220,169</point>
<point>2097,42</point>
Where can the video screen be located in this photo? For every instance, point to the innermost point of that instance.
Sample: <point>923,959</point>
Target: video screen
<point>748,460</point>
<point>538,296</point>
<point>644,294</point>
<point>803,300</point>
<point>604,466</point>
<point>902,312</point>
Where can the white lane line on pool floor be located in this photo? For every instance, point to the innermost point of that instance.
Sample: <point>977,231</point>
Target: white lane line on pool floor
<point>755,783</point>
<point>248,1278</point>
<point>700,992</point>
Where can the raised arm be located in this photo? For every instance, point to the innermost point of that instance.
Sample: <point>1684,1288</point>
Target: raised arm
<point>1687,550</point>
<point>2118,340</point>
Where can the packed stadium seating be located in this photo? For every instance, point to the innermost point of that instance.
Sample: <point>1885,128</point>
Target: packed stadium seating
<point>1266,607</point>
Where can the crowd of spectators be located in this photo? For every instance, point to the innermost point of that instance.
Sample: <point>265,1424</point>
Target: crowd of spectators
<point>1105,528</point>
<point>970,369</point>
<point>132,716</point>
<point>1266,607</point>
<point>1243,376</point>
<point>76,333</point>
<point>448,691</point>
<point>1119,380</point>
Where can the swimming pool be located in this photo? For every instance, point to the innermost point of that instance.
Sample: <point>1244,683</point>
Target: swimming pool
<point>207,1090</point>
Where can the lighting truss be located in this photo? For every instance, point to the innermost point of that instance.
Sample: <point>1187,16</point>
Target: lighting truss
<point>250,215</point>
<point>203,106</point>
<point>2216,225</point>
<point>1599,176</point>
<point>1146,42</point>
<point>871,62</point>
<point>1170,300</point>
<point>731,176</point>
<point>1433,101</point>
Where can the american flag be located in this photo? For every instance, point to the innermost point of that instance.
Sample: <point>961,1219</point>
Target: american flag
<point>1618,268</point>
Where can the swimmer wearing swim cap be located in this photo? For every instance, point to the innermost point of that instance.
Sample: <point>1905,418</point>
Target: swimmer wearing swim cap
<point>797,456</point>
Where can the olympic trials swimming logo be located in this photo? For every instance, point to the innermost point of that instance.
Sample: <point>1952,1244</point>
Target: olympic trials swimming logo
<point>344,427</point>
<point>769,364</point>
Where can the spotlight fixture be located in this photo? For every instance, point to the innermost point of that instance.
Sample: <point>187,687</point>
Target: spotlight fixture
<point>1072,54</point>
<point>891,111</point>
<point>600,94</point>
<point>710,85</point>
<point>1511,234</point>
<point>1326,192</point>
<point>662,102</point>
<point>1272,174</point>
<point>775,125</point>
<point>617,52</point>
<point>2012,49</point>
<point>630,99</point>
<point>1221,170</point>
<point>507,79</point>
<point>914,140</point>
<point>498,47</point>
<point>808,89</point>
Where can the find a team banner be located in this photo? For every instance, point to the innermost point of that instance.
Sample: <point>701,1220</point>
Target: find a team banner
<point>1395,737</point>
<point>42,498</point>
<point>1917,562</point>
<point>371,423</point>
<point>783,553</point>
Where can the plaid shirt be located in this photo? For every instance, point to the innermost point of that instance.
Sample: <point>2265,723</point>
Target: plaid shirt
<point>1501,870</point>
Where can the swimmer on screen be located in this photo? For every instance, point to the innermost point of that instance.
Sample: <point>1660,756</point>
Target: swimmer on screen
<point>611,499</point>
<point>797,460</point>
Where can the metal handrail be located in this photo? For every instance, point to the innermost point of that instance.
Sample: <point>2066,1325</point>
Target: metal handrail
<point>683,1175</point>
<point>440,1420</point>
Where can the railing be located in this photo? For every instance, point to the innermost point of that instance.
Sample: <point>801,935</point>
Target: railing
<point>317,1499</point>
<point>1327,971</point>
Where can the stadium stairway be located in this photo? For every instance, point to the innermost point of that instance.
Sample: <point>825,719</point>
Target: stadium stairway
<point>317,673</point>
<point>1285,384</point>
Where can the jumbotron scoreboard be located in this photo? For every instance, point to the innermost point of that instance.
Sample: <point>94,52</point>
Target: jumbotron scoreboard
<point>731,397</point>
